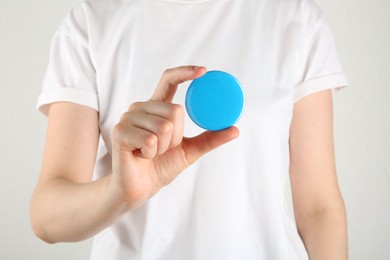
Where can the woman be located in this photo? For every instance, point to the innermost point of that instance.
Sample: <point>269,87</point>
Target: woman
<point>115,145</point>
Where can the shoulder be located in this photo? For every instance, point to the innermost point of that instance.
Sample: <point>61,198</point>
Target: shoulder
<point>87,16</point>
<point>303,16</point>
<point>295,9</point>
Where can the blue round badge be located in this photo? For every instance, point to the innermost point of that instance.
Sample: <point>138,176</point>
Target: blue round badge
<point>215,101</point>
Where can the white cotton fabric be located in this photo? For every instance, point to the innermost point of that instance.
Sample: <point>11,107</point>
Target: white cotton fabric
<point>235,202</point>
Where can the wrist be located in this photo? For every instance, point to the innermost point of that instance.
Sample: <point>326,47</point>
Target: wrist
<point>119,200</point>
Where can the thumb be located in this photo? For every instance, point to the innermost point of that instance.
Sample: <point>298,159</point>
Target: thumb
<point>199,145</point>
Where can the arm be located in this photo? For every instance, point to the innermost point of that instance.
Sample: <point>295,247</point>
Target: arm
<point>148,152</point>
<point>318,205</point>
<point>63,198</point>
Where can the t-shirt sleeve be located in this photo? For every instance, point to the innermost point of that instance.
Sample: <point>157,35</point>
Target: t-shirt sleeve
<point>70,75</point>
<point>321,67</point>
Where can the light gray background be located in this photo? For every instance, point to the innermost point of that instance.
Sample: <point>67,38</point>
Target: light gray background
<point>362,122</point>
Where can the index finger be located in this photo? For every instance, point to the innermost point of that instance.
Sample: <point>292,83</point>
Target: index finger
<point>167,86</point>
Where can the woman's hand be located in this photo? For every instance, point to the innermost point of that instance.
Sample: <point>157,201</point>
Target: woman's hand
<point>149,150</point>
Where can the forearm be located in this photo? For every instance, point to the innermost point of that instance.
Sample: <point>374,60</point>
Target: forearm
<point>324,234</point>
<point>64,211</point>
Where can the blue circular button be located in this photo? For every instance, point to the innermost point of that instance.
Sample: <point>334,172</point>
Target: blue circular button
<point>215,101</point>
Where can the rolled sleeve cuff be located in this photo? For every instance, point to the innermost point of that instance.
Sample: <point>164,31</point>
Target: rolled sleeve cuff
<point>73,95</point>
<point>334,81</point>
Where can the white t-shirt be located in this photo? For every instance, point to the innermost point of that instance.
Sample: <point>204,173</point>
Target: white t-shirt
<point>235,202</point>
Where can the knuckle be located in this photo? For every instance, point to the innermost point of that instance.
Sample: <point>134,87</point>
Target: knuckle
<point>176,141</point>
<point>127,119</point>
<point>167,71</point>
<point>177,110</point>
<point>117,129</point>
<point>124,117</point>
<point>166,75</point>
<point>165,127</point>
<point>150,140</point>
<point>135,106</point>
